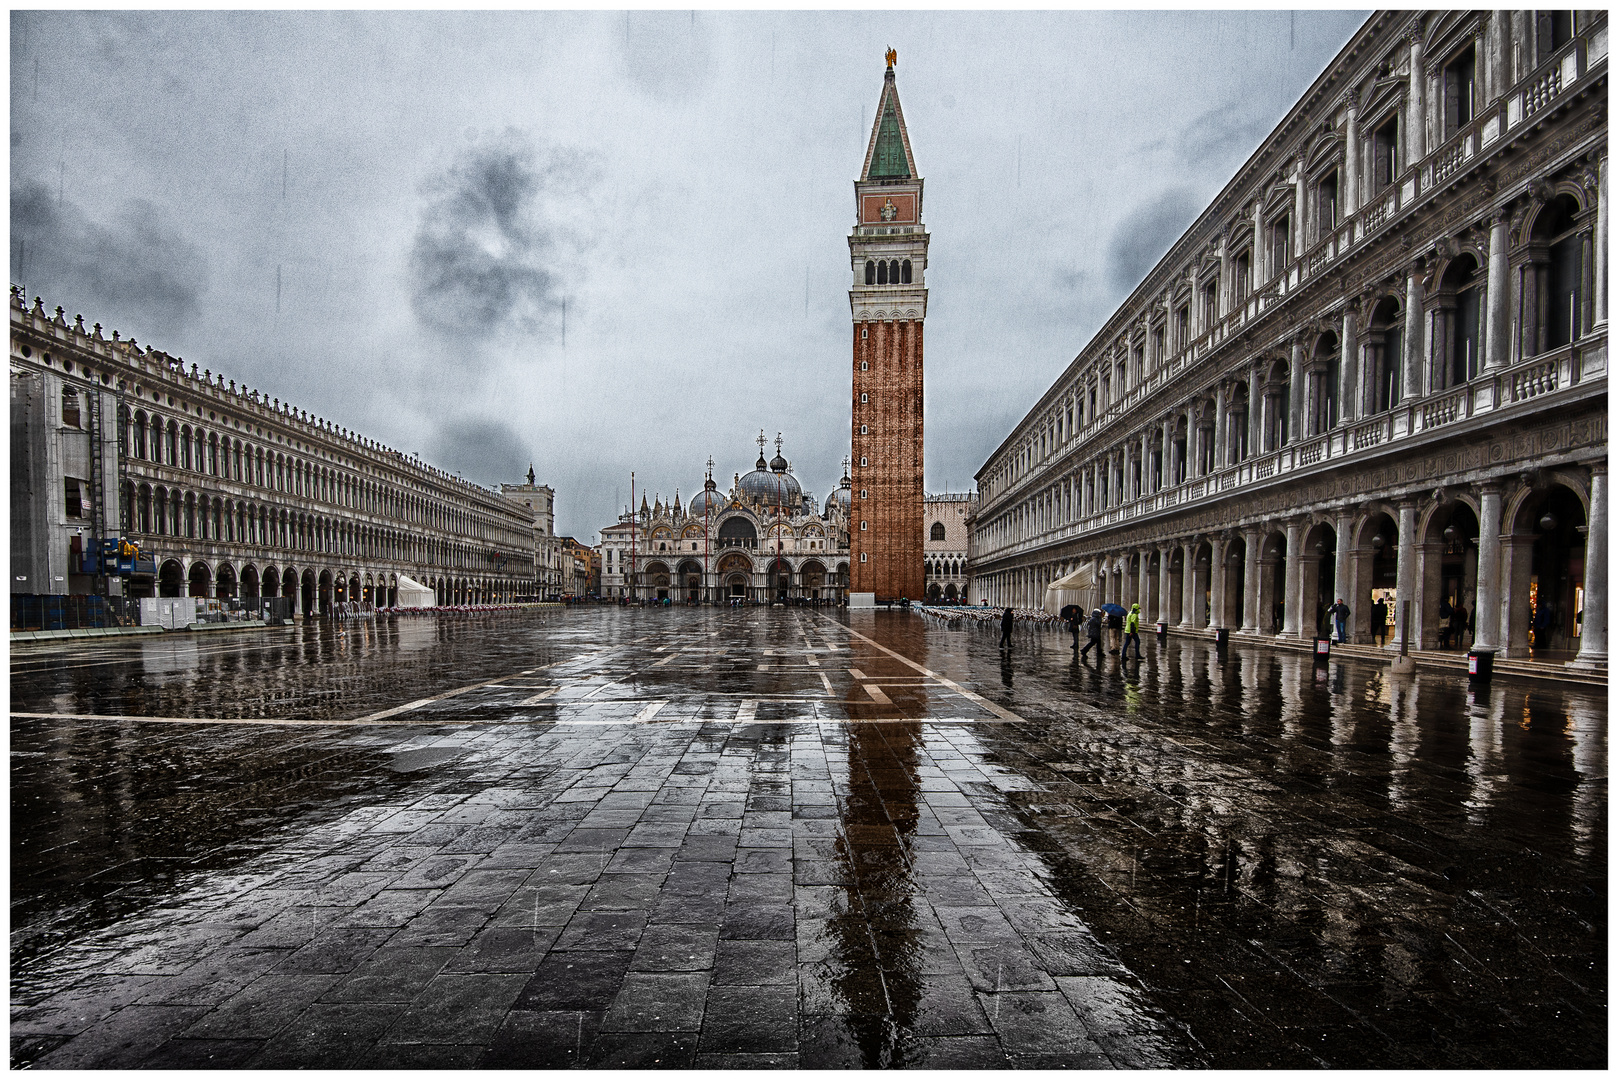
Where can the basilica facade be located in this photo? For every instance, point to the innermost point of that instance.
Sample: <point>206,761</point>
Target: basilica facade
<point>766,540</point>
<point>1374,369</point>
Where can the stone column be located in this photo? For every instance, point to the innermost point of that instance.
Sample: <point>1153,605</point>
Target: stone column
<point>1144,584</point>
<point>1416,140</point>
<point>1409,589</point>
<point>1350,194</point>
<point>1601,245</point>
<point>1190,442</point>
<point>1250,575</point>
<point>1348,364</point>
<point>1255,412</point>
<point>1221,426</point>
<point>1163,586</point>
<point>1487,615</point>
<point>1188,581</point>
<point>1293,627</point>
<point>1497,328</point>
<point>1342,572</point>
<point>1216,583</point>
<point>1298,392</point>
<point>1415,337</point>
<point>1593,635</point>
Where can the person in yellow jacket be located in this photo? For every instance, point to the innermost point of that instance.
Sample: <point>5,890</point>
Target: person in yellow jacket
<point>1132,631</point>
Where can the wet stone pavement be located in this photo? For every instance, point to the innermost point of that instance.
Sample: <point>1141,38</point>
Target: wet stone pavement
<point>755,838</point>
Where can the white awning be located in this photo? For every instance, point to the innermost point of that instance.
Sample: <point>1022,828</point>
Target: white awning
<point>1077,587</point>
<point>413,593</point>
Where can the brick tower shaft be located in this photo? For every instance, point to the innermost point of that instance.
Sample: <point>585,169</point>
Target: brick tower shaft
<point>888,252</point>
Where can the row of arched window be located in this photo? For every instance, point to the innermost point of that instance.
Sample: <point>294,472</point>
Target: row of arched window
<point>949,568</point>
<point>887,272</point>
<point>163,511</point>
<point>148,437</point>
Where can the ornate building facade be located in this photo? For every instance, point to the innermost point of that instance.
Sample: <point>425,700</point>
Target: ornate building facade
<point>229,493</point>
<point>947,567</point>
<point>888,250</point>
<point>548,558</point>
<point>1374,368</point>
<point>766,540</point>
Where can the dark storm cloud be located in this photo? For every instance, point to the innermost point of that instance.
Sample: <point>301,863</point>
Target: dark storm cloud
<point>139,265</point>
<point>486,255</point>
<point>482,450</point>
<point>1223,137</point>
<point>1145,233</point>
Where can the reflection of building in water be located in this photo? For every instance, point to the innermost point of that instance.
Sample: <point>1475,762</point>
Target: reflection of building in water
<point>765,540</point>
<point>1377,361</point>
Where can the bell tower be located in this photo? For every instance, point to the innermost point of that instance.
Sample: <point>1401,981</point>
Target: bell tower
<point>888,255</point>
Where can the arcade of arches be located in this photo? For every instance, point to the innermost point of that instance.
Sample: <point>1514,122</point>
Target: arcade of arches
<point>1515,567</point>
<point>1387,384</point>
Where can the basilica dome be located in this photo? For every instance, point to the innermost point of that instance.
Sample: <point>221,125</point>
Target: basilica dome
<point>771,483</point>
<point>708,501</point>
<point>841,497</point>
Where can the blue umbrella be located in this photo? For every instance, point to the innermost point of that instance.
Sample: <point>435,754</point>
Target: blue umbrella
<point>1113,609</point>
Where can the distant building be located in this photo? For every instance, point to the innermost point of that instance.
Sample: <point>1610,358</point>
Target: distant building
<point>765,540</point>
<point>541,500</point>
<point>945,548</point>
<point>228,492</point>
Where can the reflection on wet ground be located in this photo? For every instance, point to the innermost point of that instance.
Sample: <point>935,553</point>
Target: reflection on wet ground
<point>754,838</point>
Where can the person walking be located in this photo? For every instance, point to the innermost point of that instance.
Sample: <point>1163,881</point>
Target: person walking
<point>1379,620</point>
<point>1457,625</point>
<point>1339,615</point>
<point>1007,621</point>
<point>1115,630</point>
<point>1075,626</point>
<point>1132,631</point>
<point>1092,631</point>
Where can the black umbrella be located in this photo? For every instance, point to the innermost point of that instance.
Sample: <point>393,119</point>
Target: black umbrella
<point>1113,609</point>
<point>1071,611</point>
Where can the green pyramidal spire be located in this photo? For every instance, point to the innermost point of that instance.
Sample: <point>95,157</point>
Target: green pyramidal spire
<point>888,163</point>
<point>889,148</point>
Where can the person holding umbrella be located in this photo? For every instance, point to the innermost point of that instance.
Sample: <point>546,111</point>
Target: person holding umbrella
<point>1092,631</point>
<point>1007,621</point>
<point>1070,615</point>
<point>1115,626</point>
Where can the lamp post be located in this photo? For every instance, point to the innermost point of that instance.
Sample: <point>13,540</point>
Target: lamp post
<point>633,594</point>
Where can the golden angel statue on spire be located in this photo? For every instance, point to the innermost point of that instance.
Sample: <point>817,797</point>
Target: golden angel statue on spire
<point>892,56</point>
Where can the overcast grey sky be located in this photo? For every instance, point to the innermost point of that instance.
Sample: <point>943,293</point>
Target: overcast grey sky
<point>604,241</point>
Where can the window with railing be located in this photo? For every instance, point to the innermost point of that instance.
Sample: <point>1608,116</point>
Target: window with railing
<point>1552,30</point>
<point>1385,154</point>
<point>1460,90</point>
<point>1327,205</point>
<point>1280,249</point>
